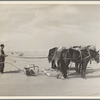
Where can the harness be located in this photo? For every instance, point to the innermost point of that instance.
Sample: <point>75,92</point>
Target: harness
<point>80,56</point>
<point>89,55</point>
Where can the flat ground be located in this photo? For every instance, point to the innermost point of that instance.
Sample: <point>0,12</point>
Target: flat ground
<point>16,83</point>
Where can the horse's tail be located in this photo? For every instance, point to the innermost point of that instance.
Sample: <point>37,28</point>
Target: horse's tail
<point>51,54</point>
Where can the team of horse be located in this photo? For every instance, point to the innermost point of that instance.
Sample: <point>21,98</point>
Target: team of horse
<point>60,58</point>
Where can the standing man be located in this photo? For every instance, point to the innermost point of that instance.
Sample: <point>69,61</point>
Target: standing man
<point>2,58</point>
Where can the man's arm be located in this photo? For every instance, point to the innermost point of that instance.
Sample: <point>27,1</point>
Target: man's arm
<point>3,55</point>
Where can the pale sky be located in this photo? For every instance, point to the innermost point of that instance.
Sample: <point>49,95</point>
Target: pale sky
<point>39,27</point>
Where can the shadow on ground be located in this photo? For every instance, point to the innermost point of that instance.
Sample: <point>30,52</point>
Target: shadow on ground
<point>90,73</point>
<point>14,71</point>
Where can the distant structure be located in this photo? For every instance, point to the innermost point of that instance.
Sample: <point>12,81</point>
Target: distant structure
<point>20,54</point>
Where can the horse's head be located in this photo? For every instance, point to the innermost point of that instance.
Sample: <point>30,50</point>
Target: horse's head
<point>95,55</point>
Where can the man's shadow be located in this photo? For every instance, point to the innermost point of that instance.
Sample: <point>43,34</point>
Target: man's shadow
<point>14,71</point>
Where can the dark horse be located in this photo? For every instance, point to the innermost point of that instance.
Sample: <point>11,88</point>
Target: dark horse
<point>54,55</point>
<point>82,57</point>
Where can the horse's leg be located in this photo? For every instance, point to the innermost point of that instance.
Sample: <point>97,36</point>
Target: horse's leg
<point>76,67</point>
<point>84,65</point>
<point>60,69</point>
<point>65,72</point>
<point>65,69</point>
<point>80,67</point>
<point>58,65</point>
<point>82,70</point>
<point>53,64</point>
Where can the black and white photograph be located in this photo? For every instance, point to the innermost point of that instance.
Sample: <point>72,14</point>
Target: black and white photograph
<point>50,49</point>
